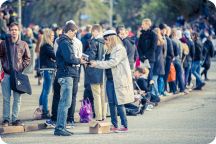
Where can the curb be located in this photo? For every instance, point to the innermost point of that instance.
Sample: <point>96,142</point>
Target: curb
<point>21,129</point>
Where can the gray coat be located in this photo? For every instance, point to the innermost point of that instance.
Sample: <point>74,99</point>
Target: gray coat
<point>122,79</point>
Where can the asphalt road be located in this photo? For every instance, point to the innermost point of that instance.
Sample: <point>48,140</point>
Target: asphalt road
<point>189,119</point>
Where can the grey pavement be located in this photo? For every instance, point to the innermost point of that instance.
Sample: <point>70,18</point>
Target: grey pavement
<point>188,119</point>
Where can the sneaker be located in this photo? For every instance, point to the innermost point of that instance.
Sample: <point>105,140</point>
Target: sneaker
<point>149,107</point>
<point>62,132</point>
<point>122,130</point>
<point>166,93</point>
<point>70,124</point>
<point>5,123</point>
<point>50,123</point>
<point>17,123</point>
<point>113,129</point>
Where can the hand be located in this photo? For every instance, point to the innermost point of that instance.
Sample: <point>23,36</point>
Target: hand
<point>82,61</point>
<point>93,63</point>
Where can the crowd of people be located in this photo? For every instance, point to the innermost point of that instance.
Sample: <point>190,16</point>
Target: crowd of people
<point>120,68</point>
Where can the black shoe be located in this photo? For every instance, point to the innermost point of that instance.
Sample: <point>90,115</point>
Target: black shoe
<point>142,110</point>
<point>62,132</point>
<point>17,123</point>
<point>203,84</point>
<point>5,123</point>
<point>46,115</point>
<point>197,88</point>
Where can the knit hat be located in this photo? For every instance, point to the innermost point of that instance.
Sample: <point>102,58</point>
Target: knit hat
<point>162,26</point>
<point>187,34</point>
<point>109,33</point>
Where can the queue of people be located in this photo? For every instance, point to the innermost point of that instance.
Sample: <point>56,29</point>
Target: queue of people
<point>116,67</point>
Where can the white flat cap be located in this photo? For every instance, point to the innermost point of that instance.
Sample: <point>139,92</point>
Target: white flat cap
<point>109,32</point>
<point>71,21</point>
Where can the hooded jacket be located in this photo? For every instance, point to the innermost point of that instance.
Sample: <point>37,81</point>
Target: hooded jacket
<point>66,60</point>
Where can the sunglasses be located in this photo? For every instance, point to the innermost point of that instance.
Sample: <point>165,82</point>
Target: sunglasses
<point>105,38</point>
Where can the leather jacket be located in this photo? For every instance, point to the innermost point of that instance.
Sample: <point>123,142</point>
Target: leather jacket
<point>20,56</point>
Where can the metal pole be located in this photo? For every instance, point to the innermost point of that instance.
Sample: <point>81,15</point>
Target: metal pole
<point>111,12</point>
<point>20,17</point>
<point>20,13</point>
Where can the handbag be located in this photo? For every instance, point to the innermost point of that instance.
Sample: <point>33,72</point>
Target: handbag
<point>38,113</point>
<point>172,73</point>
<point>85,112</point>
<point>19,82</point>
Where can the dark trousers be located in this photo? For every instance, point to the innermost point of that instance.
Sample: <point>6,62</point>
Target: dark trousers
<point>150,76</point>
<point>179,75</point>
<point>56,98</point>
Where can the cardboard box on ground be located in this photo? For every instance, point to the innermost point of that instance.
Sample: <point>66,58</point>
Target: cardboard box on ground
<point>96,127</point>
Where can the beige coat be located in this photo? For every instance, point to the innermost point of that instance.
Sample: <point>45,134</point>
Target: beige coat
<point>121,72</point>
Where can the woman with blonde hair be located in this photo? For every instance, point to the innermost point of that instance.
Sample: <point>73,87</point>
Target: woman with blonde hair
<point>118,80</point>
<point>47,67</point>
<point>159,68</point>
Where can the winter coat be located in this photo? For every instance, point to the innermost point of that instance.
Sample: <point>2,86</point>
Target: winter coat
<point>170,53</point>
<point>146,45</point>
<point>66,60</point>
<point>208,52</point>
<point>95,52</point>
<point>130,48</point>
<point>122,78</point>
<point>159,67</point>
<point>198,50</point>
<point>47,57</point>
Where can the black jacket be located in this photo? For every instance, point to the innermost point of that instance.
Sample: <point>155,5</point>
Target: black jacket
<point>159,67</point>
<point>66,60</point>
<point>208,52</point>
<point>95,52</point>
<point>198,50</point>
<point>47,57</point>
<point>130,48</point>
<point>146,45</point>
<point>170,52</point>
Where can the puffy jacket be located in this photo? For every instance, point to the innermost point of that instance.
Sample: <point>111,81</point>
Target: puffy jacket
<point>20,54</point>
<point>65,58</point>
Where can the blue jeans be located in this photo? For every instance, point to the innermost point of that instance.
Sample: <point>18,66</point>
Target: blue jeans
<point>161,85</point>
<point>179,75</point>
<point>113,105</point>
<point>66,84</point>
<point>155,78</point>
<point>187,72</point>
<point>6,92</point>
<point>196,72</point>
<point>47,85</point>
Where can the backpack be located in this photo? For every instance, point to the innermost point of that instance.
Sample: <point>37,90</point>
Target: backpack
<point>85,112</point>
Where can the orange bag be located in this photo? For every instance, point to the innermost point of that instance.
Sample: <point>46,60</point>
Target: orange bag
<point>172,73</point>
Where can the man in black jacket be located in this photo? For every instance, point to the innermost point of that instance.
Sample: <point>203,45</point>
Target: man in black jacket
<point>127,42</point>
<point>196,61</point>
<point>146,45</point>
<point>66,70</point>
<point>169,52</point>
